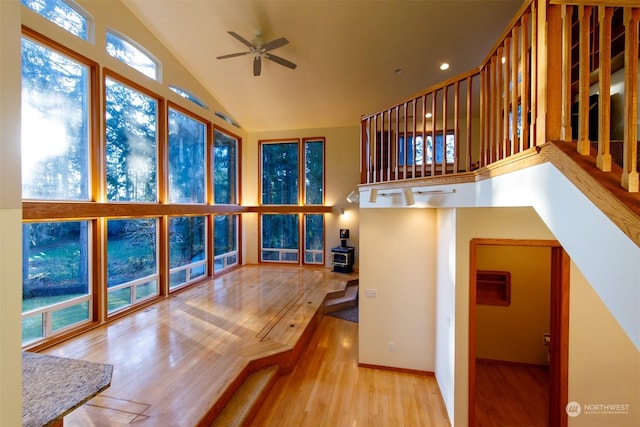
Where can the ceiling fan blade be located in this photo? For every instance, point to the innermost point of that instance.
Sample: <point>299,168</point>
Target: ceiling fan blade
<point>232,55</point>
<point>257,65</point>
<point>241,39</point>
<point>280,60</point>
<point>275,44</point>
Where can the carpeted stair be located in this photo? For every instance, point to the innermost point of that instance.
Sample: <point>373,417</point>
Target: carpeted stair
<point>238,411</point>
<point>340,302</point>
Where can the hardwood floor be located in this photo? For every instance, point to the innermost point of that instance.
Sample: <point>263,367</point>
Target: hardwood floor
<point>511,395</point>
<point>175,360</point>
<point>327,388</point>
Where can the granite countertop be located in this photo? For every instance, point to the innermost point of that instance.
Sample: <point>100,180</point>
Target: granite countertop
<point>54,386</point>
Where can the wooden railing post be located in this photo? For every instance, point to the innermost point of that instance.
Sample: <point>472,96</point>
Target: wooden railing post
<point>549,73</point>
<point>630,157</point>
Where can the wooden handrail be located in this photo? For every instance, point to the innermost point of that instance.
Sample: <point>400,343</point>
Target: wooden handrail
<point>523,94</point>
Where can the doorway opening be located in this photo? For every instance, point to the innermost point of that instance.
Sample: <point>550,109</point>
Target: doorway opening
<point>529,350</point>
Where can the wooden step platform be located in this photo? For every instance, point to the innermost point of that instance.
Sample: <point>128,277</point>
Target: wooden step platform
<point>182,360</point>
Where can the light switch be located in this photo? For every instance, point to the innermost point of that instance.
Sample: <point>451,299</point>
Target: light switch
<point>371,293</point>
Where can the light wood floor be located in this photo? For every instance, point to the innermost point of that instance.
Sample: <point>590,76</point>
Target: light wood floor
<point>511,395</point>
<point>327,388</point>
<point>174,360</point>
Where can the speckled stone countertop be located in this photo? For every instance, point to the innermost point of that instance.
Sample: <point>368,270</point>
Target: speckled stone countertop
<point>54,386</point>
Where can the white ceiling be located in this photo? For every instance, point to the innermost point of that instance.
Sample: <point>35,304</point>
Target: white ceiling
<point>346,52</point>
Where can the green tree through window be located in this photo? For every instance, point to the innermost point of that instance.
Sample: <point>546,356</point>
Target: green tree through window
<point>55,125</point>
<point>131,147</point>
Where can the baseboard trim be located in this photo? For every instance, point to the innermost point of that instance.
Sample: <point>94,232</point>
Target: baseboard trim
<point>396,369</point>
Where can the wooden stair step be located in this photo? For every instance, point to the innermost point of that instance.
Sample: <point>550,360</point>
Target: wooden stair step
<point>349,299</point>
<point>251,392</point>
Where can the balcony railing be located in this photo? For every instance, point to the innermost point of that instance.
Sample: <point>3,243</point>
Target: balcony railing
<point>562,71</point>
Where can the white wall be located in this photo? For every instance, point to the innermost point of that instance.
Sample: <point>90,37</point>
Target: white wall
<point>445,306</point>
<point>604,365</point>
<point>398,260</point>
<point>10,217</point>
<point>606,256</point>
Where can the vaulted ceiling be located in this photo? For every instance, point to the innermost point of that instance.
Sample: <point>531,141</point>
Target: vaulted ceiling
<point>353,56</point>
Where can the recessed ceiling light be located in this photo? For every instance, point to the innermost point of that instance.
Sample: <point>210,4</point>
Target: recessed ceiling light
<point>398,71</point>
<point>428,115</point>
<point>444,66</point>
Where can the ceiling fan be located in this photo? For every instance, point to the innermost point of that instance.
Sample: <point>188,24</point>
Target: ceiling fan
<point>258,49</point>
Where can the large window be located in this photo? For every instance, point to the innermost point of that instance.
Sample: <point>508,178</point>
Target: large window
<point>129,52</point>
<point>280,172</point>
<point>131,144</point>
<point>132,264</point>
<point>56,284</point>
<point>280,238</point>
<point>282,165</point>
<point>186,155</point>
<point>313,172</point>
<point>120,186</point>
<point>187,250</point>
<point>225,241</point>
<point>55,125</point>
<point>444,147</point>
<point>225,162</point>
<point>66,15</point>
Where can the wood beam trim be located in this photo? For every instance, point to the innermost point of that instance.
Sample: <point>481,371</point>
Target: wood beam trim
<point>42,211</point>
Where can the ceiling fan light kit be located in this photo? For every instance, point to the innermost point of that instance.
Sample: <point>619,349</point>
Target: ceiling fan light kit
<point>259,49</point>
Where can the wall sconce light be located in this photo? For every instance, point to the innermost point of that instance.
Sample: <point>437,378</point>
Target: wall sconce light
<point>341,211</point>
<point>407,193</point>
<point>373,195</point>
<point>353,197</point>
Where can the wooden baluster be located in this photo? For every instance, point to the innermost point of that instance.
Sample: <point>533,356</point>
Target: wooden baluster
<point>405,143</point>
<point>444,129</point>
<point>434,121</point>
<point>495,105</point>
<point>424,135</point>
<point>526,110</point>
<point>467,163</point>
<point>515,34</point>
<point>456,125</point>
<point>567,17</point>
<point>505,64</point>
<point>365,176</point>
<point>533,86</point>
<point>374,149</point>
<point>389,143</point>
<point>603,161</point>
<point>584,16</point>
<point>484,115</point>
<point>630,147</point>
<point>396,129</point>
<point>413,139</point>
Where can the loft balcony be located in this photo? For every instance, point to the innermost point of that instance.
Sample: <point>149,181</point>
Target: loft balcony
<point>561,83</point>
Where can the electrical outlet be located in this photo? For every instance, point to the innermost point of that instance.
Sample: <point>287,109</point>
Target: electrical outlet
<point>371,293</point>
<point>391,346</point>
